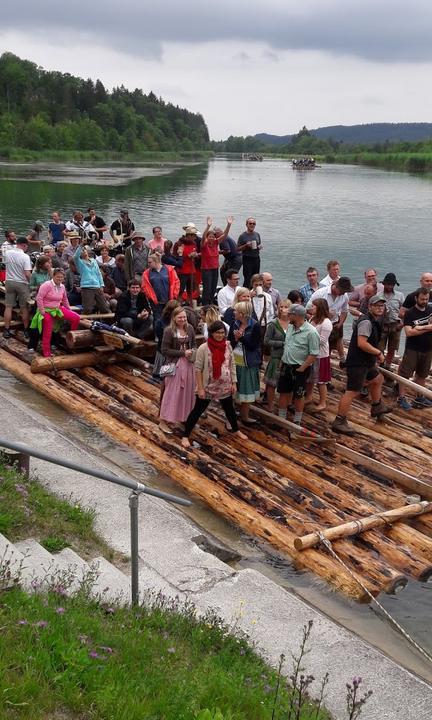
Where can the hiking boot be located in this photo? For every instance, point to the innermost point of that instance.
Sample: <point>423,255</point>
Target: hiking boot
<point>404,404</point>
<point>422,402</point>
<point>7,334</point>
<point>340,425</point>
<point>27,334</point>
<point>380,409</point>
<point>364,393</point>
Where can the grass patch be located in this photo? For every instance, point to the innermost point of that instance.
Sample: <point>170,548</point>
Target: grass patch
<point>28,510</point>
<point>72,658</point>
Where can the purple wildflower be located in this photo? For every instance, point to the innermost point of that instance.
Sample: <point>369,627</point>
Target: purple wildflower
<point>21,489</point>
<point>42,624</point>
<point>22,622</point>
<point>60,610</point>
<point>94,655</point>
<point>106,649</point>
<point>59,590</point>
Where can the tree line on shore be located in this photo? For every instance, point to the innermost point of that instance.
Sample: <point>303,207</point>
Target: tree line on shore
<point>414,156</point>
<point>43,110</point>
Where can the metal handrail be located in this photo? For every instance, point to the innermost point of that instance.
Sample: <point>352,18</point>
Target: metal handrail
<point>136,487</point>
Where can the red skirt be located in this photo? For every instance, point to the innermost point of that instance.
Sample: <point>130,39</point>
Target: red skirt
<point>321,372</point>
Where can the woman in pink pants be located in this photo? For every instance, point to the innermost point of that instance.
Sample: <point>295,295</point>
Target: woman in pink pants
<point>53,306</point>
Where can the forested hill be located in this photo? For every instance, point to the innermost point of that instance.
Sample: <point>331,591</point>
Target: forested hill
<point>52,110</point>
<point>361,134</point>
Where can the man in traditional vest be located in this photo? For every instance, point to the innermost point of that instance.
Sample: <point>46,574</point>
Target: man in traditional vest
<point>361,365</point>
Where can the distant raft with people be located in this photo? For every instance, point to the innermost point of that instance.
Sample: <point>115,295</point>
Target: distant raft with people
<point>254,157</point>
<point>308,163</point>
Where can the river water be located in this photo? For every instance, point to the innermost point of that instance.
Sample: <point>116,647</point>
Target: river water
<point>361,216</point>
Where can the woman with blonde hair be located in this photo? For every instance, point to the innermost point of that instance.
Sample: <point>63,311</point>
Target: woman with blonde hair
<point>275,339</point>
<point>321,370</point>
<point>245,338</point>
<point>178,392</point>
<point>242,294</point>
<point>210,314</point>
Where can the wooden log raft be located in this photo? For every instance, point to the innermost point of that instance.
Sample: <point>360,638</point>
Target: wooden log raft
<point>360,560</point>
<point>358,526</point>
<point>289,495</point>
<point>197,483</point>
<point>270,454</point>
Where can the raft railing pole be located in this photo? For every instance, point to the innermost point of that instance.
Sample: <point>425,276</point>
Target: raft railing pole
<point>136,487</point>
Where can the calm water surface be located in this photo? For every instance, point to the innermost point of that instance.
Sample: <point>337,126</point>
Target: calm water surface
<point>359,215</point>
<point>362,216</point>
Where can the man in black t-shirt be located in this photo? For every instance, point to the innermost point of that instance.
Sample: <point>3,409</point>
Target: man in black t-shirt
<point>361,365</point>
<point>250,245</point>
<point>410,301</point>
<point>417,358</point>
<point>97,222</point>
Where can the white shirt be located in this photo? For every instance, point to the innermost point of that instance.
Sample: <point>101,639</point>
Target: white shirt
<point>6,246</point>
<point>225,298</point>
<point>17,262</point>
<point>258,306</point>
<point>327,281</point>
<point>86,226</point>
<point>337,305</point>
<point>110,262</point>
<point>324,329</point>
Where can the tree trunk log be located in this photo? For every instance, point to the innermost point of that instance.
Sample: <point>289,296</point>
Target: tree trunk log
<point>65,362</point>
<point>354,527</point>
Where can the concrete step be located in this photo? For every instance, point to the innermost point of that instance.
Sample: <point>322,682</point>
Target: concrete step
<point>111,584</point>
<point>46,569</point>
<point>11,563</point>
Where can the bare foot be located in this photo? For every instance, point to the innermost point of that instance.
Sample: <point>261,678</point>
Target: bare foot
<point>185,442</point>
<point>165,429</point>
<point>240,435</point>
<point>318,409</point>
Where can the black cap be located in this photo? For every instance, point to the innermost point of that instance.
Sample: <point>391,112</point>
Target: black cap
<point>390,279</point>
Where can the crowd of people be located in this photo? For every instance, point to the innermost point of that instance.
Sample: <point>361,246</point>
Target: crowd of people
<point>170,292</point>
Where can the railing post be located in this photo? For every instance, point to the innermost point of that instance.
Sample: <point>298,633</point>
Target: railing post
<point>133,506</point>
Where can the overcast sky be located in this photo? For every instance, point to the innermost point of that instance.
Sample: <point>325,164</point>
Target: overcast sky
<point>247,65</point>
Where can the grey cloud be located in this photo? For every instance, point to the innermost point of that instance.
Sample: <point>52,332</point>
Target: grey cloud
<point>242,56</point>
<point>372,30</point>
<point>270,55</point>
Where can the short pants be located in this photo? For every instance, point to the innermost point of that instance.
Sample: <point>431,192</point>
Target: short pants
<point>358,375</point>
<point>291,381</point>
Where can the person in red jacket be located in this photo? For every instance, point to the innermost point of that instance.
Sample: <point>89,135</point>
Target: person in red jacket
<point>160,283</point>
<point>210,259</point>
<point>188,275</point>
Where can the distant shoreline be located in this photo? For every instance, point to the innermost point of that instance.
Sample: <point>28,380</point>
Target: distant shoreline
<point>150,158</point>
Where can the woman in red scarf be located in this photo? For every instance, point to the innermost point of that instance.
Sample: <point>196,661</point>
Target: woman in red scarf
<point>216,380</point>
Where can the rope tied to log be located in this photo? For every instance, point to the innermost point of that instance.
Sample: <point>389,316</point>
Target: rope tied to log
<point>327,544</point>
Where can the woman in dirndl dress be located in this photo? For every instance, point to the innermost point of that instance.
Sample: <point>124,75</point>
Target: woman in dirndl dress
<point>245,338</point>
<point>178,392</point>
<point>275,339</point>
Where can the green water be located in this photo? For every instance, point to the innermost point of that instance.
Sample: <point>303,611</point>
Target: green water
<point>362,216</point>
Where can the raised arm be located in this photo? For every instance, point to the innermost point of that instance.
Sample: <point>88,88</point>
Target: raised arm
<point>225,233</point>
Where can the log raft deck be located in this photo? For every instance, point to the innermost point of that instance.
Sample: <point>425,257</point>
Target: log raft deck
<point>279,484</point>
